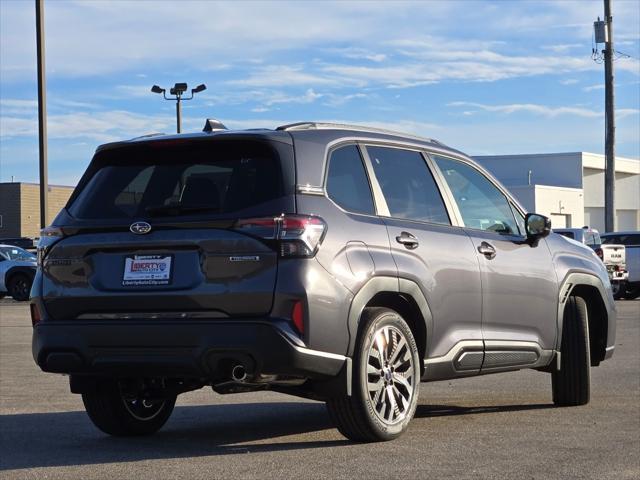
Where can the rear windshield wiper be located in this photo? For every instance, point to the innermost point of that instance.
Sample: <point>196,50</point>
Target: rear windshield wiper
<point>173,209</point>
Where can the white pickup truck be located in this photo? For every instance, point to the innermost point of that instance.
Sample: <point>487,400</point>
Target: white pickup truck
<point>631,242</point>
<point>613,255</point>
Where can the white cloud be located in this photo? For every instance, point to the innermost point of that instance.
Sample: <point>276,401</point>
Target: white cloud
<point>591,88</point>
<point>569,81</point>
<point>530,108</point>
<point>545,110</point>
<point>96,126</point>
<point>334,100</point>
<point>282,76</point>
<point>562,48</point>
<point>357,53</point>
<point>308,97</point>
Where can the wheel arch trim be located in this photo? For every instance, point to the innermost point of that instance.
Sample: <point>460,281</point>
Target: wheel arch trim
<point>568,286</point>
<point>28,271</point>
<point>389,284</point>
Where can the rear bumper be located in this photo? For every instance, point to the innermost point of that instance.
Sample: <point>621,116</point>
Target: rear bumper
<point>619,276</point>
<point>173,348</point>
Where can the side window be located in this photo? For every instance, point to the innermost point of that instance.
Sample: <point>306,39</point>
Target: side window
<point>481,204</point>
<point>407,185</point>
<point>347,182</point>
<point>591,239</point>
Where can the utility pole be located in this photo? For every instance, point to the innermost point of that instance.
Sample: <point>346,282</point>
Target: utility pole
<point>42,114</point>
<point>610,128</point>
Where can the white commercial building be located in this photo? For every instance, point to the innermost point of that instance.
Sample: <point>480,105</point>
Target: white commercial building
<point>569,187</point>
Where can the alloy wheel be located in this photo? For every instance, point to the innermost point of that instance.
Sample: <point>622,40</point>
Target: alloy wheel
<point>390,375</point>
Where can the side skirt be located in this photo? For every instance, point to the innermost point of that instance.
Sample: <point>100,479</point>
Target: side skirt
<point>475,357</point>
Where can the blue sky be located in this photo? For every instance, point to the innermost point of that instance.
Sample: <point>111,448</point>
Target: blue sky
<point>485,77</point>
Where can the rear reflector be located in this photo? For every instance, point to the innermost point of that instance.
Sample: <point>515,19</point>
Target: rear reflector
<point>35,314</point>
<point>296,235</point>
<point>297,315</point>
<point>599,253</point>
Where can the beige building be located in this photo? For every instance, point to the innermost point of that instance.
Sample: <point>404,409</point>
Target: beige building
<point>20,208</point>
<point>569,187</point>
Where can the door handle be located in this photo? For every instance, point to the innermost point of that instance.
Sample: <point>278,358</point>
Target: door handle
<point>408,240</point>
<point>487,250</point>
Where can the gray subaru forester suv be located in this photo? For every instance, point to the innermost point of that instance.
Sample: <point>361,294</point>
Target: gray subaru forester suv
<point>333,262</point>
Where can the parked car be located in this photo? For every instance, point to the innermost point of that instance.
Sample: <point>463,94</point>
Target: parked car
<point>333,262</point>
<point>612,255</point>
<point>17,270</point>
<point>631,242</point>
<point>22,242</point>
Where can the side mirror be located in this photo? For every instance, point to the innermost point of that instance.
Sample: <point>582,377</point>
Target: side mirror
<point>538,226</point>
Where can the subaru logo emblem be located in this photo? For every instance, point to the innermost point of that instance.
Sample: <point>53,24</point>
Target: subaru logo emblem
<point>140,228</point>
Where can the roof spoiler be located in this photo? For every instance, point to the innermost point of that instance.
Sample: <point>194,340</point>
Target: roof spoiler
<point>212,125</point>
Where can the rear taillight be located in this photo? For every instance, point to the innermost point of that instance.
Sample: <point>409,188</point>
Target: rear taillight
<point>35,314</point>
<point>599,253</point>
<point>48,236</point>
<point>296,235</point>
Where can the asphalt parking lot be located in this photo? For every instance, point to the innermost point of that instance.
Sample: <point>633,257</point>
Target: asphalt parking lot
<point>498,426</point>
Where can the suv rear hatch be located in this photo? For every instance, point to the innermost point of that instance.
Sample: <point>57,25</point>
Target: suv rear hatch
<point>152,231</point>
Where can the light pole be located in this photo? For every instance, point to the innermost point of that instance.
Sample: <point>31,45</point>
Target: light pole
<point>177,91</point>
<point>42,115</point>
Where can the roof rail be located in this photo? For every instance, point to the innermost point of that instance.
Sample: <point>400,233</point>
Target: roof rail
<point>359,128</point>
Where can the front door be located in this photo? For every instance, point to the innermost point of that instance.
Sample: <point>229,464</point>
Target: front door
<point>519,284</point>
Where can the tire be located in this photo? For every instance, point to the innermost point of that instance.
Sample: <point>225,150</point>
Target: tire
<point>571,384</point>
<point>632,293</point>
<point>19,287</point>
<point>618,289</point>
<point>383,412</point>
<point>116,415</point>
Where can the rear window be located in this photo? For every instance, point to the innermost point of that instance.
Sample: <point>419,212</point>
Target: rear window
<point>219,179</point>
<point>629,240</point>
<point>567,234</point>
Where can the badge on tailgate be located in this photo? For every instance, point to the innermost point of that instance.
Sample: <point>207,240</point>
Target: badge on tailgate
<point>142,270</point>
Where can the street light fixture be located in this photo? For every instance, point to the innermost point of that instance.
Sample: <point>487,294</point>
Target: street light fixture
<point>177,91</point>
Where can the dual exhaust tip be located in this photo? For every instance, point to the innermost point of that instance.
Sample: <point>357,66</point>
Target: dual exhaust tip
<point>239,373</point>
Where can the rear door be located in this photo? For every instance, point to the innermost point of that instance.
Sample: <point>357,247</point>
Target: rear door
<point>430,251</point>
<point>153,230</point>
<point>519,284</point>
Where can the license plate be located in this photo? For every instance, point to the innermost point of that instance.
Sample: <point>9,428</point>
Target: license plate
<point>142,270</point>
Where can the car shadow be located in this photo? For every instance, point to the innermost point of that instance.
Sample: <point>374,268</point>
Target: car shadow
<point>426,411</point>
<point>68,438</point>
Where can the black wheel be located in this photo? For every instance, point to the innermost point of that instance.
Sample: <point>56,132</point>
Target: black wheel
<point>632,293</point>
<point>118,413</point>
<point>618,289</point>
<point>386,379</point>
<point>19,287</point>
<point>571,384</point>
